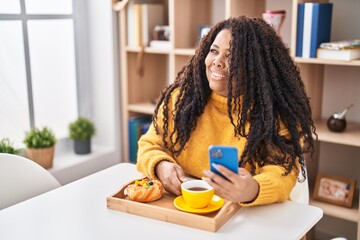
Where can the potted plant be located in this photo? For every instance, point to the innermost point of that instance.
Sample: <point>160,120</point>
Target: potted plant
<point>40,146</point>
<point>7,147</point>
<point>81,132</point>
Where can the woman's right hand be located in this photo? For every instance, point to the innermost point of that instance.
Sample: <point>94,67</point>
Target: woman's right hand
<point>171,175</point>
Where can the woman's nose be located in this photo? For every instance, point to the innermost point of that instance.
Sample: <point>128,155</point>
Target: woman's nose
<point>218,63</point>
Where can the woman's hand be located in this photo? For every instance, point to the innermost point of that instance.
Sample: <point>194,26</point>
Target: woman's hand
<point>241,187</point>
<point>171,175</point>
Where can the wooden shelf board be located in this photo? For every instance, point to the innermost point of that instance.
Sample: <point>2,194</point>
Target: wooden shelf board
<point>145,108</point>
<point>177,51</point>
<point>351,135</point>
<point>148,50</point>
<point>350,214</point>
<point>185,51</point>
<point>327,62</point>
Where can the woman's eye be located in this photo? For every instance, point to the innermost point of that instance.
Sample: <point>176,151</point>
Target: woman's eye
<point>213,50</point>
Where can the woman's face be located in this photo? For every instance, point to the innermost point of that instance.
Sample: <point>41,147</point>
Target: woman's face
<point>216,63</point>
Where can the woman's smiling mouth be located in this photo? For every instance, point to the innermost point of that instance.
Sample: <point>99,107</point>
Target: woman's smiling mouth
<point>217,76</point>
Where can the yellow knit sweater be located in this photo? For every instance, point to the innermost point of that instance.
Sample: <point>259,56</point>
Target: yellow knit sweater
<point>213,128</point>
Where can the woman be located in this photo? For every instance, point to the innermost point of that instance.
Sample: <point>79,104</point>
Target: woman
<point>242,89</point>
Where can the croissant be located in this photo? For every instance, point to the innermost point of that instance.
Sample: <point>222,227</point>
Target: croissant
<point>145,190</point>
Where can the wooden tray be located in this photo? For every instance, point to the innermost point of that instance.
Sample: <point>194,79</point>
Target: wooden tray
<point>164,210</point>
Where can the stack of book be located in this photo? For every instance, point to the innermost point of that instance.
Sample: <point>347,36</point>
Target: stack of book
<point>138,125</point>
<point>346,50</point>
<point>313,27</point>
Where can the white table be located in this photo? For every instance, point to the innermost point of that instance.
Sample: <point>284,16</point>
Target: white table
<point>78,211</point>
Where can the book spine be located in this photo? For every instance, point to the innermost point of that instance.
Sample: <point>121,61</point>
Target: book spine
<point>308,16</point>
<point>145,27</point>
<point>133,126</point>
<point>321,29</point>
<point>317,27</point>
<point>129,23</point>
<point>346,55</point>
<point>134,23</point>
<point>138,24</point>
<point>300,29</point>
<point>145,128</point>
<point>136,130</point>
<point>132,140</point>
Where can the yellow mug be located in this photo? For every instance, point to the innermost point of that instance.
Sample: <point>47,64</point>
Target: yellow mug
<point>197,193</point>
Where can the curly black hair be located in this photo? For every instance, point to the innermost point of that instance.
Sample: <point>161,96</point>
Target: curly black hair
<point>264,89</point>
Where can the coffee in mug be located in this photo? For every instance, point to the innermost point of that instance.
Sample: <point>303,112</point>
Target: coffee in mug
<point>197,193</point>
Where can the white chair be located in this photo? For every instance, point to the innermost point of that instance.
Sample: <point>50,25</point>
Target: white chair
<point>300,192</point>
<point>21,179</point>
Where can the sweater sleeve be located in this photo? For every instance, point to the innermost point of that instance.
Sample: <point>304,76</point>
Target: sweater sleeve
<point>273,185</point>
<point>151,153</point>
<point>151,149</point>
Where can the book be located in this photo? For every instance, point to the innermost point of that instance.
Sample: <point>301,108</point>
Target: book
<point>344,54</point>
<point>129,23</point>
<point>314,27</point>
<point>300,29</point>
<point>134,20</point>
<point>344,44</point>
<point>137,127</point>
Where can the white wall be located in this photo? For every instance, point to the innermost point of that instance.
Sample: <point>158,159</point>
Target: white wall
<point>102,71</point>
<point>103,89</point>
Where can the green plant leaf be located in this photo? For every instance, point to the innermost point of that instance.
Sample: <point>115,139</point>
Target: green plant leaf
<point>7,147</point>
<point>81,129</point>
<point>39,138</point>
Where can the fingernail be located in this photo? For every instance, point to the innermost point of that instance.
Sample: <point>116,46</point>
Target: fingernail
<point>207,172</point>
<point>215,166</point>
<point>184,179</point>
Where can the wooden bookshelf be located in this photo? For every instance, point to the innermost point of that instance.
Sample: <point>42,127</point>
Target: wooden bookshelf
<point>350,214</point>
<point>350,137</point>
<point>161,66</point>
<point>327,62</point>
<point>312,71</point>
<point>144,108</point>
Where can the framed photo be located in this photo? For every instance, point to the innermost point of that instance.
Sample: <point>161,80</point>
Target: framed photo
<point>335,190</point>
<point>203,30</point>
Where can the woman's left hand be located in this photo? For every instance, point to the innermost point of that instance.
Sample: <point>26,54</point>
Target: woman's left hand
<point>241,187</point>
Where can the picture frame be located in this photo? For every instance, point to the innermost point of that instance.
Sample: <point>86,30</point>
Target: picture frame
<point>203,30</point>
<point>334,189</point>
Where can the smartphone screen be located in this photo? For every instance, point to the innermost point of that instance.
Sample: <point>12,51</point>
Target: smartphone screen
<point>227,156</point>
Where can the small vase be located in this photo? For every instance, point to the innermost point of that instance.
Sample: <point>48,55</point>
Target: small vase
<point>82,146</point>
<point>336,124</point>
<point>275,18</point>
<point>42,156</point>
<point>337,121</point>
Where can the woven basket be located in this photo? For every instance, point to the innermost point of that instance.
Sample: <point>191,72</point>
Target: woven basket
<point>42,156</point>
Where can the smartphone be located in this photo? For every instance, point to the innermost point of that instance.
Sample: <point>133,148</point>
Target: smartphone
<point>227,156</point>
